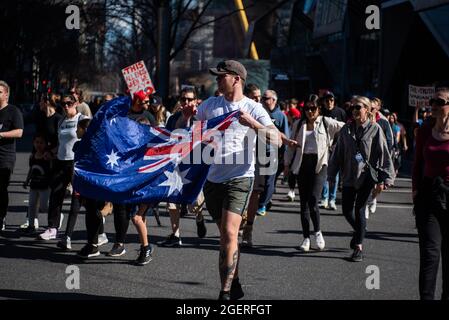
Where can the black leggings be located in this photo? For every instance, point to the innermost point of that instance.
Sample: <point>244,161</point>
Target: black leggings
<point>356,217</point>
<point>75,207</point>
<point>121,222</point>
<point>62,174</point>
<point>310,192</point>
<point>433,232</point>
<point>5,175</point>
<point>94,220</point>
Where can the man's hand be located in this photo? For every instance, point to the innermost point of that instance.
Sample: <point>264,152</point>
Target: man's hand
<point>247,120</point>
<point>379,188</point>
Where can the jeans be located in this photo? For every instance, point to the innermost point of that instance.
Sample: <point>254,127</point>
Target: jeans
<point>62,174</point>
<point>37,201</point>
<point>270,185</point>
<point>356,216</point>
<point>433,232</point>
<point>5,175</point>
<point>330,190</point>
<point>292,179</point>
<point>309,192</point>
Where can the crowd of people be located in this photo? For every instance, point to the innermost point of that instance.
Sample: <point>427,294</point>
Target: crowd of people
<point>316,145</point>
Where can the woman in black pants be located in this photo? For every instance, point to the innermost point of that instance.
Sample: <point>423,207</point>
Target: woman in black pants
<point>431,197</point>
<point>309,163</point>
<point>361,146</point>
<point>62,170</point>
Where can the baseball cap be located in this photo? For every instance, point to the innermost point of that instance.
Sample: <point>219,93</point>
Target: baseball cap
<point>141,95</point>
<point>329,94</point>
<point>155,100</point>
<point>294,113</point>
<point>229,67</point>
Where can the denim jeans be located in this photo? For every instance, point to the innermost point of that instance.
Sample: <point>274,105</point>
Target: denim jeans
<point>332,195</point>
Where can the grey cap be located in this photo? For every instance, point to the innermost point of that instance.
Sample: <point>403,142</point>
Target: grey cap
<point>229,67</point>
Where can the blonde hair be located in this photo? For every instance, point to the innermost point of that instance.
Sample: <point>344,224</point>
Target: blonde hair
<point>161,115</point>
<point>367,103</point>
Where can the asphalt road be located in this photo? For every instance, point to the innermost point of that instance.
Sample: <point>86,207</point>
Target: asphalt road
<point>274,269</point>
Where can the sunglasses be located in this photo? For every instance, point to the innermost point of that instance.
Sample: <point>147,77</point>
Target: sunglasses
<point>357,107</point>
<point>266,98</point>
<point>185,99</point>
<point>67,103</point>
<point>145,102</point>
<point>439,102</point>
<point>311,109</point>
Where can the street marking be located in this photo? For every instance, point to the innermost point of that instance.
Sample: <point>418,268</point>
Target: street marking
<point>394,207</point>
<point>398,191</point>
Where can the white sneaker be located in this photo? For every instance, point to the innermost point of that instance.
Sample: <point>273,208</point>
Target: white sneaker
<point>3,226</point>
<point>25,225</point>
<point>323,203</point>
<point>291,195</point>
<point>102,239</point>
<point>319,240</point>
<point>49,234</point>
<point>332,205</point>
<point>36,223</point>
<point>372,206</point>
<point>366,212</point>
<point>61,220</point>
<point>305,246</point>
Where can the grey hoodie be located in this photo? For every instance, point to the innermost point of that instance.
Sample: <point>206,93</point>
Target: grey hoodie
<point>373,146</point>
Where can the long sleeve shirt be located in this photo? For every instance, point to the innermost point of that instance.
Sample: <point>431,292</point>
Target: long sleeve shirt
<point>324,138</point>
<point>372,146</point>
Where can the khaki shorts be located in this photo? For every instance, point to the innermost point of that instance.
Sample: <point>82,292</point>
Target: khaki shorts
<point>231,195</point>
<point>195,207</point>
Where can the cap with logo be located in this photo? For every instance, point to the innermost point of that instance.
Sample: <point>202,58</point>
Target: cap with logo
<point>155,100</point>
<point>229,67</point>
<point>329,94</point>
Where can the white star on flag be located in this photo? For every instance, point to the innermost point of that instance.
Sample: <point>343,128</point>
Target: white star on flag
<point>113,120</point>
<point>176,180</point>
<point>112,159</point>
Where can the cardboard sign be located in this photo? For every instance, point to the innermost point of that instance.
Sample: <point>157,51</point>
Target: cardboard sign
<point>420,96</point>
<point>137,78</point>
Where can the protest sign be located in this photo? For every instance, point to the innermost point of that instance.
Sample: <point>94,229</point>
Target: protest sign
<point>137,78</point>
<point>420,96</point>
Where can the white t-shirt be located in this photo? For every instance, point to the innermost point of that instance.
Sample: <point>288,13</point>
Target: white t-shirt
<point>67,137</point>
<point>310,145</point>
<point>226,166</point>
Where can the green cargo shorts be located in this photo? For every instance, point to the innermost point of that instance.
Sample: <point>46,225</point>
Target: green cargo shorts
<point>232,195</point>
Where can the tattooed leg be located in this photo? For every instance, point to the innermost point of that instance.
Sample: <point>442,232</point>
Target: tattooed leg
<point>227,270</point>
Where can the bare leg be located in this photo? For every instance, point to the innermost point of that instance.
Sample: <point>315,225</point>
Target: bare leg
<point>229,251</point>
<point>174,220</point>
<point>139,221</point>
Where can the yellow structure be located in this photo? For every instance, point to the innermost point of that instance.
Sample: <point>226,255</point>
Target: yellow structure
<point>244,20</point>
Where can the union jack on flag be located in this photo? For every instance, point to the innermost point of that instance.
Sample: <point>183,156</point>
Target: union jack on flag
<point>122,161</point>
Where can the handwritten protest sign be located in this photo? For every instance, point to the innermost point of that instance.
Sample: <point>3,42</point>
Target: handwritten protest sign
<point>420,96</point>
<point>137,78</point>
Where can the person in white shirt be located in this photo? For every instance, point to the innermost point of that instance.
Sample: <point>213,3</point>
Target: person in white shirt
<point>62,171</point>
<point>308,162</point>
<point>228,186</point>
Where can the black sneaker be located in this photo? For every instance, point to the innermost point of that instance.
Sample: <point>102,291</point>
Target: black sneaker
<point>117,250</point>
<point>88,251</point>
<point>201,228</point>
<point>224,296</point>
<point>30,230</point>
<point>145,255</point>
<point>357,255</point>
<point>171,241</point>
<point>236,290</point>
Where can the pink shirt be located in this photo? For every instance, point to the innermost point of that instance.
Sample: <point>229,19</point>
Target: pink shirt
<point>436,158</point>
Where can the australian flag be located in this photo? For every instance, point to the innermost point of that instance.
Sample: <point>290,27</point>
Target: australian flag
<point>122,161</point>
